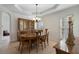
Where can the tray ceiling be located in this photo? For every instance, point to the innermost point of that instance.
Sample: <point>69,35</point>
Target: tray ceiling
<point>42,9</point>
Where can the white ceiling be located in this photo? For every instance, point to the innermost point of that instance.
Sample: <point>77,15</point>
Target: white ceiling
<point>32,7</point>
<point>42,9</point>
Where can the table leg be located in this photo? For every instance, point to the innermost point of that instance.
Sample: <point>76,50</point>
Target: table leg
<point>37,46</point>
<point>29,45</point>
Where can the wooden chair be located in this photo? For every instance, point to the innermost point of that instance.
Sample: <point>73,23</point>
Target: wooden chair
<point>22,41</point>
<point>38,41</point>
<point>43,40</point>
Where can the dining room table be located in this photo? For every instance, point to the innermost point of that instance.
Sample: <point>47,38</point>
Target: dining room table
<point>30,37</point>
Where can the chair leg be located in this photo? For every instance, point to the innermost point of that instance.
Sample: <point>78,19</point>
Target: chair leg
<point>22,46</point>
<point>29,45</point>
<point>37,46</point>
<point>44,44</point>
<point>19,46</point>
<point>47,41</point>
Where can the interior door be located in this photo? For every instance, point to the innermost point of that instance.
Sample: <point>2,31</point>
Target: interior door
<point>6,22</point>
<point>5,28</point>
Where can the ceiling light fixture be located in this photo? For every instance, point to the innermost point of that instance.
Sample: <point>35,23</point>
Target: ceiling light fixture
<point>36,17</point>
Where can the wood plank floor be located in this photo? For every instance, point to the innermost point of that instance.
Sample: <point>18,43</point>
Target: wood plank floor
<point>13,49</point>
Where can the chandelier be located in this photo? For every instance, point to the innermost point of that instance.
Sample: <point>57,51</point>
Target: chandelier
<point>36,18</point>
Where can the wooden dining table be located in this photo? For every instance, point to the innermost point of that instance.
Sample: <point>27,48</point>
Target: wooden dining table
<point>30,37</point>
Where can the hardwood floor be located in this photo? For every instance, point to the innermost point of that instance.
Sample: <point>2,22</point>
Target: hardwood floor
<point>13,49</point>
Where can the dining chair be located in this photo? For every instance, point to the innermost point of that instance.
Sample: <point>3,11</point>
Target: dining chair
<point>22,41</point>
<point>40,39</point>
<point>43,40</point>
<point>37,41</point>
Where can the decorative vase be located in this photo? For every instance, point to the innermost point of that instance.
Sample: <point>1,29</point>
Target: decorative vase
<point>70,39</point>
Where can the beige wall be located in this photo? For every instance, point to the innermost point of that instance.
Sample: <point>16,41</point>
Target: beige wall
<point>52,22</point>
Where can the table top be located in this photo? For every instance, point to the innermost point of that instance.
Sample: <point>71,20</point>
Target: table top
<point>72,49</point>
<point>30,36</point>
